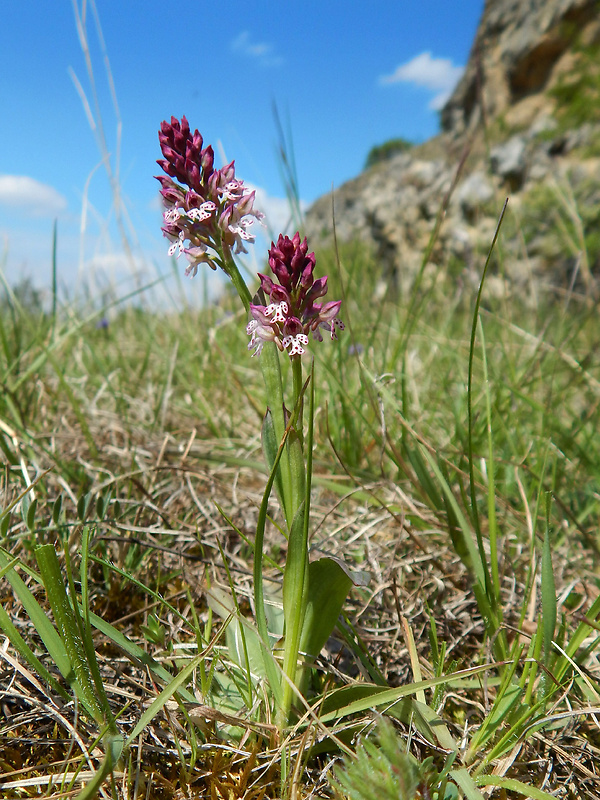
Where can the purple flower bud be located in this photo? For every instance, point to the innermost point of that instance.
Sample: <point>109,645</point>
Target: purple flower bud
<point>182,152</point>
<point>281,272</point>
<point>227,173</point>
<point>266,284</point>
<point>245,203</point>
<point>192,174</point>
<point>168,168</point>
<point>306,278</point>
<point>329,310</point>
<point>172,195</point>
<point>184,127</point>
<point>318,289</point>
<point>289,261</point>
<point>197,141</point>
<point>207,160</point>
<point>171,155</point>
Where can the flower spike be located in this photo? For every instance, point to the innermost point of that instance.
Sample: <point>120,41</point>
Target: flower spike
<point>291,315</point>
<point>210,210</point>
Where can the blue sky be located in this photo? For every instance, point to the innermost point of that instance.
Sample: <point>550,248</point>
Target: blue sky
<point>344,76</point>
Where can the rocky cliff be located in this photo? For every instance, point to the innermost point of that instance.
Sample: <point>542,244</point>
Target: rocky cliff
<point>522,49</point>
<point>523,122</point>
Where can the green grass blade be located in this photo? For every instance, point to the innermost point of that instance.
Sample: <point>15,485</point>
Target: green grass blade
<point>46,631</point>
<point>462,778</point>
<point>470,418</point>
<point>355,699</point>
<point>494,589</point>
<point>113,749</point>
<point>549,604</point>
<point>137,654</point>
<point>66,622</point>
<point>474,556</point>
<point>174,685</point>
<point>513,785</point>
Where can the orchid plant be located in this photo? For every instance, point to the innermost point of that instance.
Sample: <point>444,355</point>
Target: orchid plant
<point>208,217</point>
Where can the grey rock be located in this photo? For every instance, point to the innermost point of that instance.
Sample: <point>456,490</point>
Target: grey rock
<point>508,161</point>
<point>473,192</point>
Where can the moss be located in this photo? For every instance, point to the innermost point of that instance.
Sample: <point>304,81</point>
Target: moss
<point>387,150</point>
<point>577,93</point>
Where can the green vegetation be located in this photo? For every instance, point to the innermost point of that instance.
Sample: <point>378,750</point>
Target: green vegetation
<point>387,150</point>
<point>577,93</point>
<point>456,463</point>
<point>381,769</point>
<point>565,219</point>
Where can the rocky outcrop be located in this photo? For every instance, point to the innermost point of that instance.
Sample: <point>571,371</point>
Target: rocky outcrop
<point>523,123</point>
<point>521,49</point>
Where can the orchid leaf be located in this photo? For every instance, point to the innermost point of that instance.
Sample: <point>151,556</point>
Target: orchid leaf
<point>328,588</point>
<point>270,445</point>
<point>245,654</point>
<point>295,572</point>
<point>360,697</point>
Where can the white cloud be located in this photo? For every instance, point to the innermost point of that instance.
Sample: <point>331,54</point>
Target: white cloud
<point>261,51</point>
<point>439,75</point>
<point>20,192</point>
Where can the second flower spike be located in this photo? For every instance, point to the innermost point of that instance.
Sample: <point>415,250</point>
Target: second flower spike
<point>292,313</point>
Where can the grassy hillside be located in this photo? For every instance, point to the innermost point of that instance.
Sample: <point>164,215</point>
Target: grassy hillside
<point>456,466</point>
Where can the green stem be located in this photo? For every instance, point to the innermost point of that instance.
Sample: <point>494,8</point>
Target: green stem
<point>295,579</point>
<point>270,367</point>
<point>297,392</point>
<point>296,612</point>
<point>269,364</point>
<point>230,267</point>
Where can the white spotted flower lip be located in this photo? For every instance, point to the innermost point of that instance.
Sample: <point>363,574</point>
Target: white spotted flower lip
<point>292,313</point>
